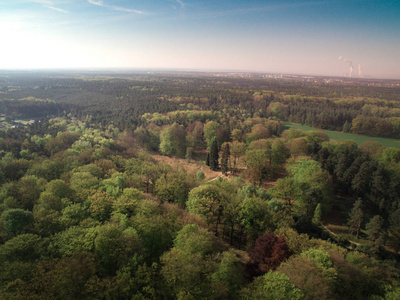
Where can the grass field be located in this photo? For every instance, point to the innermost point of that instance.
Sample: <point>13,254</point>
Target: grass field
<point>359,139</point>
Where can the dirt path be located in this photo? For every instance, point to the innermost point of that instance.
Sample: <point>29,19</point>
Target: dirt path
<point>330,231</point>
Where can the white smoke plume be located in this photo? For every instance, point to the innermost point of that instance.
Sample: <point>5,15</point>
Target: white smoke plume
<point>360,74</point>
<point>349,63</point>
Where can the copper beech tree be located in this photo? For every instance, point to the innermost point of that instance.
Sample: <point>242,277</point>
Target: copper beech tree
<point>267,254</point>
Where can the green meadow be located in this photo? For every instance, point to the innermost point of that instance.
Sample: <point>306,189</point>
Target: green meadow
<point>359,139</point>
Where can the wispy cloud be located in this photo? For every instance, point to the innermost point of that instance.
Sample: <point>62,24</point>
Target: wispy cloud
<point>129,10</point>
<point>56,9</point>
<point>96,2</point>
<point>117,8</point>
<point>181,3</point>
<point>50,5</point>
<point>267,8</point>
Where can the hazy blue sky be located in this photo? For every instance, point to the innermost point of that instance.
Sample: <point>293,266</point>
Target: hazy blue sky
<point>286,36</point>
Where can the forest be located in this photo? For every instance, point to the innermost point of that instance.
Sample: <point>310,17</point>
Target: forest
<point>189,186</point>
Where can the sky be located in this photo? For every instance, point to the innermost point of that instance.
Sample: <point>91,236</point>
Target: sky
<point>335,38</point>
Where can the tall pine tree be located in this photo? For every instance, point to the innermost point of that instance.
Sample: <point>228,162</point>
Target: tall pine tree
<point>214,156</point>
<point>208,159</point>
<point>356,217</point>
<point>225,159</point>
<point>317,215</point>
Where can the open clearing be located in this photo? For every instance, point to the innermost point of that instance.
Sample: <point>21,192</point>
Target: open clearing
<point>339,136</point>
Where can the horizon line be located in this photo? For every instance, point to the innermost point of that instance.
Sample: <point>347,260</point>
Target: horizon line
<point>185,70</point>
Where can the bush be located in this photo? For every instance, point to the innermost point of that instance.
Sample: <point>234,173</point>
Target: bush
<point>200,175</point>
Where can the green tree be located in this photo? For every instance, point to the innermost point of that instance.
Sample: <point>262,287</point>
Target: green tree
<point>128,202</point>
<point>207,201</point>
<point>47,169</point>
<point>73,240</point>
<point>62,141</point>
<point>83,180</point>
<point>271,286</point>
<point>279,152</point>
<point>309,277</point>
<point>187,267</point>
<point>375,232</point>
<point>228,278</point>
<point>173,140</point>
<point>296,242</point>
<point>254,217</point>
<point>24,247</point>
<point>257,162</point>
<point>16,221</point>
<point>236,135</point>
<point>196,131</point>
<point>100,205</point>
<point>222,135</point>
<point>192,239</point>
<point>27,191</point>
<point>346,127</point>
<point>356,217</point>
<point>156,232</point>
<point>47,221</point>
<point>277,110</point>
<point>322,260</point>
<point>237,150</point>
<point>214,164</point>
<point>374,228</point>
<point>172,187</point>
<point>15,169</point>
<point>310,186</point>
<point>66,278</point>
<point>394,228</point>
<point>392,292</point>
<point>210,129</point>
<point>114,247</point>
<point>284,190</point>
<point>390,155</point>
<point>59,189</point>
<point>225,158</point>
<point>317,215</point>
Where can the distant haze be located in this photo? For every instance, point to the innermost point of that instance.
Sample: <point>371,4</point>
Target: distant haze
<point>340,38</point>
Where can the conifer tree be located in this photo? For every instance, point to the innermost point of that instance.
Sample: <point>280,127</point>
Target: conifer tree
<point>214,156</point>
<point>374,228</point>
<point>225,158</point>
<point>356,217</point>
<point>346,127</point>
<point>317,215</point>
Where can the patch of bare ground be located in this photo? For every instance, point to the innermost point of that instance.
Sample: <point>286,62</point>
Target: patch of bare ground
<point>198,163</point>
<point>189,166</point>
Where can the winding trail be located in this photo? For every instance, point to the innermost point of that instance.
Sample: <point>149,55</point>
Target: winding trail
<point>330,231</point>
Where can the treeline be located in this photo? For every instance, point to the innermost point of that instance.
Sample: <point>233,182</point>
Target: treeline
<point>121,99</point>
<point>358,116</point>
<point>30,109</point>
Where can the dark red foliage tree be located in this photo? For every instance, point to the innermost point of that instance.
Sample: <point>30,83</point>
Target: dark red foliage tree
<point>267,254</point>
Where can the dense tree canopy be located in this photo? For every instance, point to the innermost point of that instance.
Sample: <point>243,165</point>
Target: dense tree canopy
<point>105,193</point>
